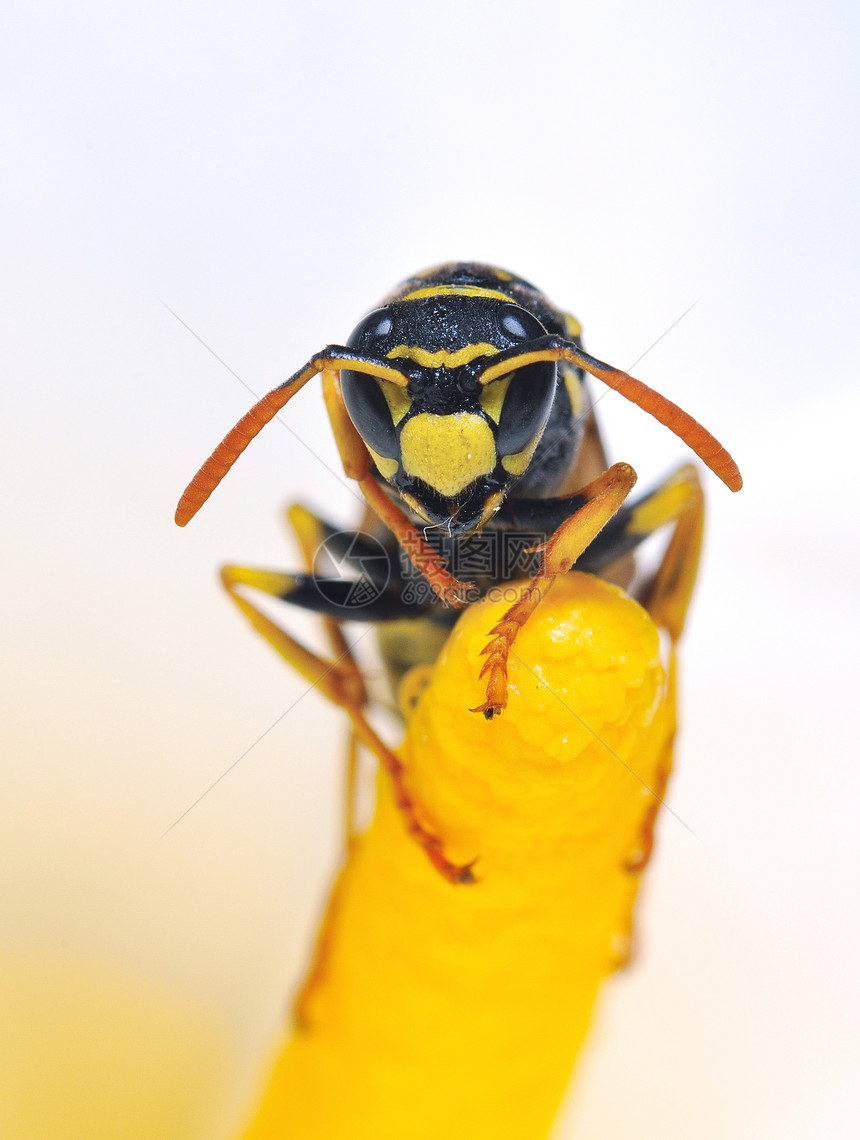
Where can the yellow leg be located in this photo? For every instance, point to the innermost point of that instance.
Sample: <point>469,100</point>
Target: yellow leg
<point>679,501</point>
<point>309,534</point>
<point>421,554</point>
<point>342,683</point>
<point>605,495</point>
<point>318,971</point>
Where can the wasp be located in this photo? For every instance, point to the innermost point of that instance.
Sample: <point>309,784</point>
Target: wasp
<point>460,407</point>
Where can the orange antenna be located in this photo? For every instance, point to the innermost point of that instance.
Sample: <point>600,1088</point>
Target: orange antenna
<point>265,410</point>
<point>696,437</point>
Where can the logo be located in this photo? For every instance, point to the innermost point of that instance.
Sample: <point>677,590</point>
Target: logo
<point>358,568</point>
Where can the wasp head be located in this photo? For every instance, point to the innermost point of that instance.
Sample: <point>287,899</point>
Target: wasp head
<point>450,444</point>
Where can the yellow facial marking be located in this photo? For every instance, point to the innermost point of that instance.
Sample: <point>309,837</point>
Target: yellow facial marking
<point>455,291</point>
<point>398,402</point>
<point>493,397</point>
<point>517,464</point>
<point>448,452</point>
<point>387,467</point>
<point>572,326</point>
<point>574,388</point>
<point>441,358</point>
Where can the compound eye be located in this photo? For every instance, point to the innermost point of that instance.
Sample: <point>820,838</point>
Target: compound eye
<point>369,411</point>
<point>518,325</point>
<point>526,407</point>
<point>373,330</point>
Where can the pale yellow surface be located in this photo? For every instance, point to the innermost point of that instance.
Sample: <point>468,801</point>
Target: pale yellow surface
<point>455,1012</point>
<point>91,1051</point>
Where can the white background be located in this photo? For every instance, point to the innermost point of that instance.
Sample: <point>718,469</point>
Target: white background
<point>268,172</point>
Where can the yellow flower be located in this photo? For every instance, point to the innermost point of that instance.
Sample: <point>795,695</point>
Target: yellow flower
<point>455,1012</point>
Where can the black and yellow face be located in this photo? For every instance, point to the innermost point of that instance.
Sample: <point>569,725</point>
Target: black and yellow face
<point>450,445</point>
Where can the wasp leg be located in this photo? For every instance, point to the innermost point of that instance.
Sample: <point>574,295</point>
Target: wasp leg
<point>353,450</point>
<point>679,500</point>
<point>341,682</point>
<point>640,854</point>
<point>625,944</point>
<point>627,528</point>
<point>350,599</point>
<point>603,498</point>
<point>310,531</point>
<point>420,553</point>
<point>302,1003</point>
<point>362,552</point>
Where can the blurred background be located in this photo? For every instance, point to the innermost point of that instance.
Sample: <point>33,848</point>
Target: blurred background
<point>197,197</point>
